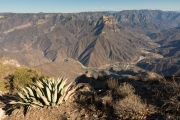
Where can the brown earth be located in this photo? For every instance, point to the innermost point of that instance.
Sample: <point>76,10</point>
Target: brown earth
<point>87,101</point>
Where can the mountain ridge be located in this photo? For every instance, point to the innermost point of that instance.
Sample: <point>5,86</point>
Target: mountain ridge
<point>102,44</point>
<point>169,41</point>
<point>119,37</point>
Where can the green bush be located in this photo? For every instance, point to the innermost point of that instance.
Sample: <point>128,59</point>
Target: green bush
<point>5,70</point>
<point>21,78</point>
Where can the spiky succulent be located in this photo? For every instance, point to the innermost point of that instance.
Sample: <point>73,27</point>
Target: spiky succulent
<point>47,92</point>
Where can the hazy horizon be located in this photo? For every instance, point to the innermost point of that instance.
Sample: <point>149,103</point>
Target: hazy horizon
<point>80,12</point>
<point>70,6</point>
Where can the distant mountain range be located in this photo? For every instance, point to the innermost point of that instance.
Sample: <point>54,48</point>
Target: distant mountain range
<point>170,42</point>
<point>146,38</point>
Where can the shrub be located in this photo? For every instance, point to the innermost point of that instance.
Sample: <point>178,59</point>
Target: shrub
<point>21,78</point>
<point>112,84</point>
<point>92,107</point>
<point>5,70</point>
<point>121,90</point>
<point>169,95</point>
<point>131,107</point>
<point>108,99</point>
<point>172,105</point>
<point>125,89</point>
<point>42,93</point>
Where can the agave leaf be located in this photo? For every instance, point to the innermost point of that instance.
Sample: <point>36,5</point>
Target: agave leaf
<point>66,89</point>
<point>30,91</point>
<point>45,100</point>
<point>53,81</point>
<point>61,86</point>
<point>60,100</point>
<point>48,81</point>
<point>54,99</point>
<point>37,103</point>
<point>45,82</point>
<point>39,91</point>
<point>33,99</point>
<point>39,84</point>
<point>21,95</point>
<point>60,78</point>
<point>18,102</point>
<point>26,92</point>
<point>63,96</point>
<point>48,93</point>
<point>58,81</point>
<point>65,93</point>
<point>23,98</point>
<point>55,86</point>
<point>13,102</point>
<point>49,86</point>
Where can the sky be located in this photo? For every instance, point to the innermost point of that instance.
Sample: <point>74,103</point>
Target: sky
<point>73,6</point>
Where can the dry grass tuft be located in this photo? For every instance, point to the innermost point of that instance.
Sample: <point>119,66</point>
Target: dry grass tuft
<point>108,99</point>
<point>125,89</point>
<point>168,95</point>
<point>131,107</point>
<point>120,90</point>
<point>112,84</point>
<point>172,105</point>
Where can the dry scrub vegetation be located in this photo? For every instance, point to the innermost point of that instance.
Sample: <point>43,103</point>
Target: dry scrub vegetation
<point>103,99</point>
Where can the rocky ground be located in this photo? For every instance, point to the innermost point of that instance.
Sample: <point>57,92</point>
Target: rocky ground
<point>99,99</point>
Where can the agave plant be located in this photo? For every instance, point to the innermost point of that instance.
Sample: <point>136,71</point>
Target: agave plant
<point>47,92</point>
